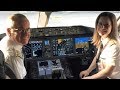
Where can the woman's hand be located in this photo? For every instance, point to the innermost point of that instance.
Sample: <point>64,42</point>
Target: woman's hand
<point>88,77</point>
<point>84,73</point>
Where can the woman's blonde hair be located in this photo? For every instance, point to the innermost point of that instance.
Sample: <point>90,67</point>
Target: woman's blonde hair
<point>114,32</point>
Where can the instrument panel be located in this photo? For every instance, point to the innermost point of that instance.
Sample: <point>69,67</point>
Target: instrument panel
<point>51,47</point>
<point>57,47</point>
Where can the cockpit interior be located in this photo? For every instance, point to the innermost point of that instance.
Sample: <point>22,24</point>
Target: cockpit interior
<point>60,46</point>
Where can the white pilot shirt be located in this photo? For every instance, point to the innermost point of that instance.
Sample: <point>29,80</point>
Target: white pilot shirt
<point>110,56</point>
<point>13,56</point>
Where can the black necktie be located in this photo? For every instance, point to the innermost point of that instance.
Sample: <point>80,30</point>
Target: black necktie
<point>101,47</point>
<point>100,50</point>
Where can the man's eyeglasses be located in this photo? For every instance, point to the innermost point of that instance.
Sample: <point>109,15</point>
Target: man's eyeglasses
<point>22,30</point>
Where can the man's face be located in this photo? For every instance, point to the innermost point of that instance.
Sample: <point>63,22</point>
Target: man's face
<point>22,34</point>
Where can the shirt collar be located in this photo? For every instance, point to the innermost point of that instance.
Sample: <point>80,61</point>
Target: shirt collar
<point>104,41</point>
<point>16,45</point>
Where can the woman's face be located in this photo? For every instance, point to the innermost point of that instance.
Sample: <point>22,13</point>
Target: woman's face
<point>104,27</point>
